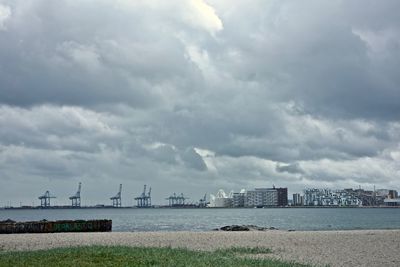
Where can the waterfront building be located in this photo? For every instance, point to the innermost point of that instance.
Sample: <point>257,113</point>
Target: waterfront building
<point>393,194</point>
<point>392,202</point>
<point>297,200</point>
<point>221,199</point>
<point>282,196</point>
<point>387,193</point>
<point>327,197</point>
<point>266,197</point>
<point>238,199</point>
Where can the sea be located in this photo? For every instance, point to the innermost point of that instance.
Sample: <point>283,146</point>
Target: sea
<point>207,219</point>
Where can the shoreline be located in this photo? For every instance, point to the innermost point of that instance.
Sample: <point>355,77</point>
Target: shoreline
<point>191,207</point>
<point>336,248</point>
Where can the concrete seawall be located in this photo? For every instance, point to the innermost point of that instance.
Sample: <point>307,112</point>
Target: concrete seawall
<point>11,227</point>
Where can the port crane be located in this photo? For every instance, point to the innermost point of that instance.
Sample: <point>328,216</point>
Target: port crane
<point>203,201</point>
<point>144,200</point>
<point>176,200</point>
<point>45,199</point>
<point>116,200</point>
<point>76,199</point>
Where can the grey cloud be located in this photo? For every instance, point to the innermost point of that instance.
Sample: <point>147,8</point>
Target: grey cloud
<point>193,160</point>
<point>165,153</point>
<point>316,60</point>
<point>124,91</point>
<point>64,55</point>
<point>290,168</point>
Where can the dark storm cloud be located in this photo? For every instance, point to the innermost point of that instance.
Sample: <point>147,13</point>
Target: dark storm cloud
<point>193,160</point>
<point>203,94</point>
<point>87,54</point>
<point>290,168</point>
<point>313,53</point>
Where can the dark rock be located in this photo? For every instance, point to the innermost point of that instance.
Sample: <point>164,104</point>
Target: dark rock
<point>244,228</point>
<point>235,228</point>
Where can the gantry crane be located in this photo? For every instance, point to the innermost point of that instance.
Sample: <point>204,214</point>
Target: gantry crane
<point>116,200</point>
<point>176,200</point>
<point>144,200</point>
<point>203,201</point>
<point>45,199</point>
<point>76,199</point>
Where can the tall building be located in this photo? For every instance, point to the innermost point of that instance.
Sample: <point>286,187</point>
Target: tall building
<point>297,200</point>
<point>238,199</point>
<point>266,197</point>
<point>327,197</point>
<point>282,197</point>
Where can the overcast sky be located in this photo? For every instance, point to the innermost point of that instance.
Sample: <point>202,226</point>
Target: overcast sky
<point>193,96</point>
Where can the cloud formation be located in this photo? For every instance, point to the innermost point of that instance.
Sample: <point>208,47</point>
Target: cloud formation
<point>191,96</point>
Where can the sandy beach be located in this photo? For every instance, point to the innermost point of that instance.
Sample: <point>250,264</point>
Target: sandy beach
<point>336,248</point>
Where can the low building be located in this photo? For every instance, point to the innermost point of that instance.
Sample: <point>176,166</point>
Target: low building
<point>221,200</point>
<point>392,201</point>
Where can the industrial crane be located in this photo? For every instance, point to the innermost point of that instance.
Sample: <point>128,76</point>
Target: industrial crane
<point>148,201</point>
<point>176,200</point>
<point>116,200</point>
<point>76,199</point>
<point>203,201</point>
<point>45,199</point>
<point>144,200</point>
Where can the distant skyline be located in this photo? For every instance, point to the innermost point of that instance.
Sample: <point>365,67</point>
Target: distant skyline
<point>193,96</point>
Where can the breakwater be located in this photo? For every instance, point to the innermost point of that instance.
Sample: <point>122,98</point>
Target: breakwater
<point>12,227</point>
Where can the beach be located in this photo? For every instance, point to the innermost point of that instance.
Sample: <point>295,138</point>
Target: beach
<point>336,248</point>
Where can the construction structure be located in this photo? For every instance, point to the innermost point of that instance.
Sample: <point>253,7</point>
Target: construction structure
<point>116,200</point>
<point>45,199</point>
<point>76,199</point>
<point>144,200</point>
<point>175,200</point>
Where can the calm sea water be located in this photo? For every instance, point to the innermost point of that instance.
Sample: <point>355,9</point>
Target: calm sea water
<point>208,219</point>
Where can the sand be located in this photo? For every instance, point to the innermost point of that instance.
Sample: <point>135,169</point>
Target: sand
<point>336,248</point>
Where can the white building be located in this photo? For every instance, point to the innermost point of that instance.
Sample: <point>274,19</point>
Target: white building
<point>327,197</point>
<point>221,199</point>
<point>261,197</point>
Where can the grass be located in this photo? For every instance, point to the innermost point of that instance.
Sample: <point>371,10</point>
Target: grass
<point>139,256</point>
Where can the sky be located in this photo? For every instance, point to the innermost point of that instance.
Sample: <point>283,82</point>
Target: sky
<point>196,95</point>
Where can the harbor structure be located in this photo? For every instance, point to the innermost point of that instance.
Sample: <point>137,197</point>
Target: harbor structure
<point>144,200</point>
<point>203,201</point>
<point>45,199</point>
<point>176,200</point>
<point>116,200</point>
<point>13,227</point>
<point>76,199</point>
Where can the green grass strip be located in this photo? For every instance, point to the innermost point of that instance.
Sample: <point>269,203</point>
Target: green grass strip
<point>139,256</point>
